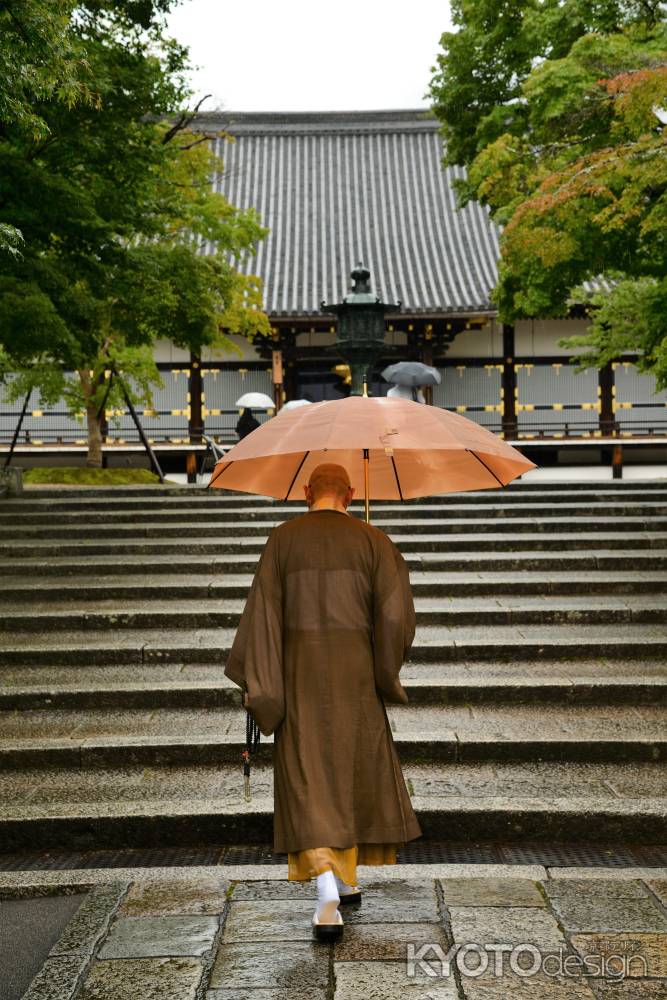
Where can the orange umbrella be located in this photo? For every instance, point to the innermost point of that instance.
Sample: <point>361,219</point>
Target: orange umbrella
<point>393,449</point>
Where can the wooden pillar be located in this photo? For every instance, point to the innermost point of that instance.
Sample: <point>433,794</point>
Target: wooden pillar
<point>617,461</point>
<point>195,421</point>
<point>606,397</point>
<point>191,466</point>
<point>277,369</point>
<point>508,382</point>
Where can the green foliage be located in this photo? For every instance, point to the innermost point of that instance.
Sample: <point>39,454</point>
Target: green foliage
<point>564,143</point>
<point>79,476</point>
<point>111,192</point>
<point>477,84</point>
<point>633,318</point>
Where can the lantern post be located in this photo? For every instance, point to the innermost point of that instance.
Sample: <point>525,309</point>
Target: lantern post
<point>361,328</point>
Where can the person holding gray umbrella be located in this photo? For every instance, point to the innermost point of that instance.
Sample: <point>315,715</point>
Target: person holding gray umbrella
<point>405,392</point>
<point>407,377</point>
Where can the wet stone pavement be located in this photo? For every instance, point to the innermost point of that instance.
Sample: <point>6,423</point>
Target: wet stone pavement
<point>529,932</point>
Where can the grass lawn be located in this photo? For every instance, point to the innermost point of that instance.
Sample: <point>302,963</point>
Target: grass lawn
<point>82,476</point>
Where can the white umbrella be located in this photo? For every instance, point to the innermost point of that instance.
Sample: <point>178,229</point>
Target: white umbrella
<point>256,400</point>
<point>292,404</point>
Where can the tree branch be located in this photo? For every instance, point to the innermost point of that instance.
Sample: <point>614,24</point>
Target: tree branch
<point>205,137</point>
<point>184,121</point>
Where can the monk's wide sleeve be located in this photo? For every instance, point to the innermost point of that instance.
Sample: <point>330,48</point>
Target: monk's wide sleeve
<point>255,661</point>
<point>393,621</point>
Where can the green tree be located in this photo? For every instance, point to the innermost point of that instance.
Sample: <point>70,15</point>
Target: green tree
<point>38,61</point>
<point>113,199</point>
<point>566,143</point>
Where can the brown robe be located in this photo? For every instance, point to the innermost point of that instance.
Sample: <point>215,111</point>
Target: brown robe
<point>327,624</point>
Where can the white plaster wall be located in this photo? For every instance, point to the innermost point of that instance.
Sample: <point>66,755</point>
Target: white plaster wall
<point>480,342</point>
<point>167,353</point>
<point>537,337</point>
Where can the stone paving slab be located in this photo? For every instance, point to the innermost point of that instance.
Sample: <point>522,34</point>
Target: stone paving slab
<point>629,990</point>
<point>482,892</point>
<point>385,941</point>
<point>506,925</point>
<point>91,921</point>
<point>171,898</point>
<point>304,966</point>
<point>642,955</point>
<point>542,986</point>
<point>659,887</point>
<point>160,936</point>
<point>146,978</point>
<point>383,980</point>
<point>269,920</point>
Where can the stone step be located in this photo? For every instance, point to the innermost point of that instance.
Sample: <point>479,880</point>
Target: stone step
<point>88,808</point>
<point>115,738</point>
<point>433,528</point>
<point>180,492</point>
<point>445,611</point>
<point>421,544</point>
<point>225,586</point>
<point>552,564</point>
<point>209,514</point>
<point>432,644</point>
<point>205,686</point>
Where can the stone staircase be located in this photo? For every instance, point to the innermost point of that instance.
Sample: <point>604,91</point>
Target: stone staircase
<point>537,680</point>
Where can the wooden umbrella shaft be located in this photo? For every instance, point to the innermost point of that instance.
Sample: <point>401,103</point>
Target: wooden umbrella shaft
<point>366,506</point>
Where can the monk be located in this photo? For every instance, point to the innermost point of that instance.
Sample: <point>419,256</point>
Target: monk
<point>328,622</point>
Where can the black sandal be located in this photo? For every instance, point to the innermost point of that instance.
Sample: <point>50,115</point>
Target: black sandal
<point>328,931</point>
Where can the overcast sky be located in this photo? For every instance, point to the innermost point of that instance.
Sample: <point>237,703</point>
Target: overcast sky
<point>305,55</point>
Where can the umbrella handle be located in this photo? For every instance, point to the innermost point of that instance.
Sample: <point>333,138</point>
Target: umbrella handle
<point>366,504</point>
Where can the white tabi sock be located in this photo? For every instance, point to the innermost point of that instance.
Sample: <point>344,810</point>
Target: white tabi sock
<point>327,897</point>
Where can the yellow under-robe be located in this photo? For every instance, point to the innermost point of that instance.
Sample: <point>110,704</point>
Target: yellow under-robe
<point>343,861</point>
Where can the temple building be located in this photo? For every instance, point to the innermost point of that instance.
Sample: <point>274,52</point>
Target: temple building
<point>336,188</point>
<point>340,187</point>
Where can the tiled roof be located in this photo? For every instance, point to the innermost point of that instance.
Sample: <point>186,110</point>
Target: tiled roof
<point>339,187</point>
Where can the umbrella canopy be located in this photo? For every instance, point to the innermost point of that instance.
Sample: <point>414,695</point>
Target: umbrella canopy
<point>293,404</point>
<point>411,373</point>
<point>411,451</point>
<point>258,400</point>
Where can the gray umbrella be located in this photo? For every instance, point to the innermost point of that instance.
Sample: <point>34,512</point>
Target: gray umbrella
<point>411,373</point>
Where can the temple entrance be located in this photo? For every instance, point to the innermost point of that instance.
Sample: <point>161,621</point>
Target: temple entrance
<point>317,381</point>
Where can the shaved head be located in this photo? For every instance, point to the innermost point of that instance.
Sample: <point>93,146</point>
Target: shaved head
<point>329,479</point>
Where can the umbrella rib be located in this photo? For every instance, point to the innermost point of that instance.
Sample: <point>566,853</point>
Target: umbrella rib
<point>296,474</point>
<point>485,466</point>
<point>393,463</point>
<point>211,481</point>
